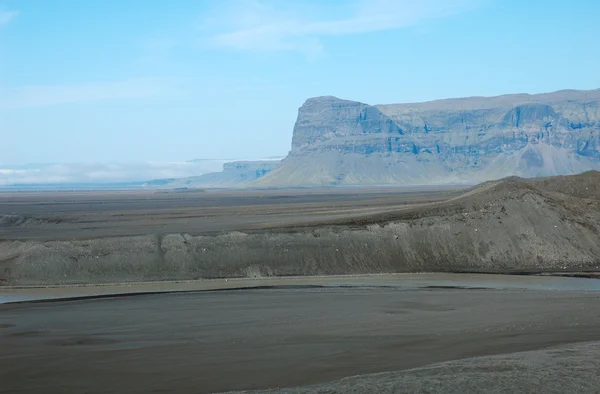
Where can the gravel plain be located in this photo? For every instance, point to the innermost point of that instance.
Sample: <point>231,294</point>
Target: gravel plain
<point>301,336</point>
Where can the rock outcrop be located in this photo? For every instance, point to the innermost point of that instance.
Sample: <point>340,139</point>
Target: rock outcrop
<point>468,140</point>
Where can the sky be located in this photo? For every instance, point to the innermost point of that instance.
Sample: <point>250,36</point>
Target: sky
<point>122,87</point>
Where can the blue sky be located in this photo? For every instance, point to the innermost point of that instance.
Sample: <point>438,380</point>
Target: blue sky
<point>139,81</point>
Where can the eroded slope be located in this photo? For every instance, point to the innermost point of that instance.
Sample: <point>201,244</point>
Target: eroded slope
<point>512,225</point>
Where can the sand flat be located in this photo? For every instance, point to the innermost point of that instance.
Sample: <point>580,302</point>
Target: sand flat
<point>204,342</point>
<point>399,281</point>
<point>86,215</point>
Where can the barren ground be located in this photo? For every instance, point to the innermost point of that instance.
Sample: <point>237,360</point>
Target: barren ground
<point>283,337</point>
<point>87,215</point>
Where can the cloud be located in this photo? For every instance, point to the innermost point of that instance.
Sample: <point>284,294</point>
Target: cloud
<point>254,26</point>
<point>7,16</point>
<point>99,173</point>
<point>43,96</point>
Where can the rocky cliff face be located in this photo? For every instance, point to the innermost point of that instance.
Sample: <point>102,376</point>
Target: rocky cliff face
<point>447,141</point>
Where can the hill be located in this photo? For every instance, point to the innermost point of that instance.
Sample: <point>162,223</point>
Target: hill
<point>512,225</point>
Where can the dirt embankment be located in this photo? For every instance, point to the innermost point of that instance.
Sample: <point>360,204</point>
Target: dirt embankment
<point>512,225</point>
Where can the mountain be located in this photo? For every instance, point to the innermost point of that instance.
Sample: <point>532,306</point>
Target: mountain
<point>465,140</point>
<point>234,174</point>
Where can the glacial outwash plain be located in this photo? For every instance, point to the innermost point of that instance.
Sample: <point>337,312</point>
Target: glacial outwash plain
<point>511,225</point>
<point>442,247</point>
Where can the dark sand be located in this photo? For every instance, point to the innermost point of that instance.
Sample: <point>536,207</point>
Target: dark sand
<point>257,339</point>
<point>510,226</point>
<point>314,331</point>
<point>399,281</point>
<point>88,215</point>
<point>557,370</point>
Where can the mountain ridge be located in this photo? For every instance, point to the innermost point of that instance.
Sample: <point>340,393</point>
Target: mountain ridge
<point>464,140</point>
<point>517,98</point>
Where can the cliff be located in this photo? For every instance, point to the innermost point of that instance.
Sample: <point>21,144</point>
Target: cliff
<point>468,140</point>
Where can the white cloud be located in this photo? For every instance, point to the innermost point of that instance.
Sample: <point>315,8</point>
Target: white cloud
<point>7,16</point>
<point>104,172</point>
<point>257,26</point>
<point>43,96</point>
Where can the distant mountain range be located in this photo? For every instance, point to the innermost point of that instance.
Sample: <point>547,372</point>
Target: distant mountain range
<point>234,174</point>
